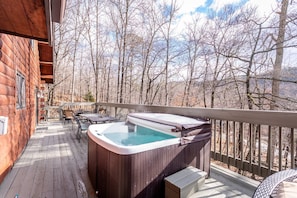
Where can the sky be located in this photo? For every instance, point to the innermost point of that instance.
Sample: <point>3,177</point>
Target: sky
<point>190,6</point>
<point>264,8</point>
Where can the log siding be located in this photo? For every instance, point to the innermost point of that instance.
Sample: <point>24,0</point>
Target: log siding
<point>17,55</point>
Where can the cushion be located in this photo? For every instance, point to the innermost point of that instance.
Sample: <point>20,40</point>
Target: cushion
<point>287,190</point>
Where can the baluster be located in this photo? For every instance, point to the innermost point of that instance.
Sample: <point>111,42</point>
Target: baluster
<point>227,143</point>
<point>292,148</point>
<point>269,150</point>
<point>280,149</point>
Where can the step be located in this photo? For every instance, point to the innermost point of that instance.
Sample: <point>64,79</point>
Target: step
<point>184,183</point>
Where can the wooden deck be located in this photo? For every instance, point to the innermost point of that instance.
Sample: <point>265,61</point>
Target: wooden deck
<point>54,163</point>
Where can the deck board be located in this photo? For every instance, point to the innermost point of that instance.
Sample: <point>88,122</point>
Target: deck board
<point>51,165</point>
<point>39,163</point>
<point>57,171</point>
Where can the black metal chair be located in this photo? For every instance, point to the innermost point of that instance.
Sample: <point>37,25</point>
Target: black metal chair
<point>270,185</point>
<point>82,126</point>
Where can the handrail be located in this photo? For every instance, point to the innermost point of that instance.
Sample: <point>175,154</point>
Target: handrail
<point>267,117</point>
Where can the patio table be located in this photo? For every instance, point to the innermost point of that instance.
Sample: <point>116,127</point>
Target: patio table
<point>90,115</point>
<point>96,118</point>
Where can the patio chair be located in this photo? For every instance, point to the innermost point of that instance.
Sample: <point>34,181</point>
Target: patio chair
<point>269,186</point>
<point>82,126</point>
<point>67,115</point>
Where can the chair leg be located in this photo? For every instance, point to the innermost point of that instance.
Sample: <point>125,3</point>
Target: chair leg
<point>78,133</point>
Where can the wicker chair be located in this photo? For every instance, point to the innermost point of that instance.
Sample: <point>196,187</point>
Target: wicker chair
<point>270,185</point>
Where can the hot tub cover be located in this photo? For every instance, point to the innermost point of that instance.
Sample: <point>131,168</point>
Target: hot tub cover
<point>163,121</point>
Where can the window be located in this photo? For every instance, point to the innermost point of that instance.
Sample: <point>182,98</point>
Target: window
<point>21,91</point>
<point>32,44</point>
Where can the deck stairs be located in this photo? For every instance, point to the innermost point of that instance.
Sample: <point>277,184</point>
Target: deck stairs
<point>184,183</point>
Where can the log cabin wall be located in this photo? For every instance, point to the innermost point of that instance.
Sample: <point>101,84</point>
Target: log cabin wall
<point>17,56</point>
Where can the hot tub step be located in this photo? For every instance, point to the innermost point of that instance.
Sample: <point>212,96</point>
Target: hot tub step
<point>184,183</point>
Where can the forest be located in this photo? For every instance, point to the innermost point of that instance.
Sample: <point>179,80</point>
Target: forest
<point>151,52</point>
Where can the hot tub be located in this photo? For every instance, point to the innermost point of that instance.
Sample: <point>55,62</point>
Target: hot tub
<point>131,159</point>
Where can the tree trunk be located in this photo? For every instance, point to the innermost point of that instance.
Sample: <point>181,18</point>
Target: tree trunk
<point>277,71</point>
<point>279,55</point>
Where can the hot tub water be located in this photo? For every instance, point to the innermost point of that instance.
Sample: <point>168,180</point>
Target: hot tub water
<point>141,135</point>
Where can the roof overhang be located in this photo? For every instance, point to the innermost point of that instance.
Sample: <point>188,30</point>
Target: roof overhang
<point>31,18</point>
<point>46,62</point>
<point>34,19</point>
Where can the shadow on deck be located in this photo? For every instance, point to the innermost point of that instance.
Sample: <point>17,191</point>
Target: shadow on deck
<point>54,163</point>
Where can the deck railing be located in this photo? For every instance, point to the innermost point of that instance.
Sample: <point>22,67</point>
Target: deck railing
<point>249,141</point>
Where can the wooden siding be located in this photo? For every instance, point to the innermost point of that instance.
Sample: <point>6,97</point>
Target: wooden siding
<point>17,55</point>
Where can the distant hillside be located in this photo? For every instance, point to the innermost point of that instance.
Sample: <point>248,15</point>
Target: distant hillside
<point>288,85</point>
<point>231,94</point>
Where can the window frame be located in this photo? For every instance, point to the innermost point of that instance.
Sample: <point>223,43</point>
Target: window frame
<point>20,91</point>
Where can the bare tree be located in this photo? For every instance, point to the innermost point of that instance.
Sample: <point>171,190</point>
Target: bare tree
<point>170,12</point>
<point>214,43</point>
<point>279,54</point>
<point>150,51</point>
<point>193,42</point>
<point>122,13</point>
<point>131,46</point>
<point>277,72</point>
<point>61,51</point>
<point>77,29</point>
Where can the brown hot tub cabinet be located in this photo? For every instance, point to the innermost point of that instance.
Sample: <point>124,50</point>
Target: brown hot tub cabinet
<point>129,173</point>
